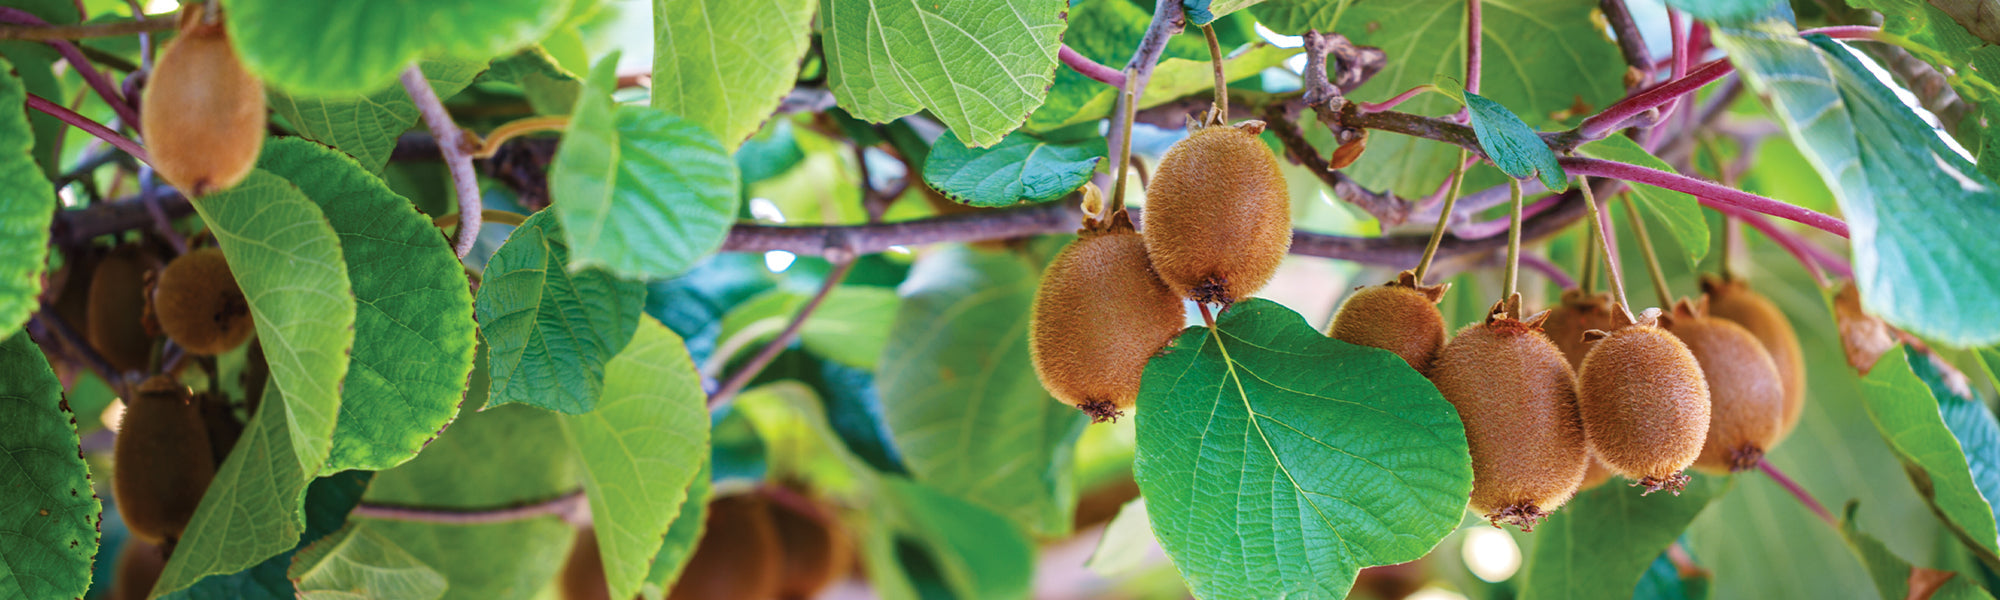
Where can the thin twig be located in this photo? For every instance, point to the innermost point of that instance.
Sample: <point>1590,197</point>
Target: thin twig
<point>96,79</point>
<point>1645,241</point>
<point>48,33</point>
<point>1167,21</point>
<point>1398,99</point>
<point>1384,206</point>
<point>1797,492</point>
<point>1086,67</point>
<point>777,345</point>
<point>561,506</point>
<point>1708,193</point>
<point>52,321</point>
<point>451,142</point>
<point>1604,240</point>
<point>1513,238</point>
<point>94,128</point>
<point>513,129</point>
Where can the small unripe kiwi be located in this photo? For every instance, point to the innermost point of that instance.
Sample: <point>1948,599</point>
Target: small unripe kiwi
<point>1400,316</point>
<point>199,304</point>
<point>738,557</point>
<point>117,308</point>
<point>1865,337</point>
<point>1734,300</point>
<point>1218,214</point>
<point>203,114</point>
<point>1644,401</point>
<point>1746,399</point>
<point>817,551</point>
<point>583,573</point>
<point>1577,313</point>
<point>1517,398</point>
<point>161,461</point>
<point>139,567</point>
<point>1099,315</point>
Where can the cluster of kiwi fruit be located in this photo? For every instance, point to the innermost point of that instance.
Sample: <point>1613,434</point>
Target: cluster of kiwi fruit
<point>768,544</point>
<point>1217,224</point>
<point>203,115</point>
<point>123,301</point>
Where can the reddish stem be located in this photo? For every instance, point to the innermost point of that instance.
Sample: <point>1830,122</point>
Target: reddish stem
<point>1548,269</point>
<point>1369,107</point>
<point>1709,194</point>
<point>1613,117</point>
<point>92,127</point>
<point>1473,52</point>
<point>1090,68</point>
<point>1797,492</point>
<point>84,68</point>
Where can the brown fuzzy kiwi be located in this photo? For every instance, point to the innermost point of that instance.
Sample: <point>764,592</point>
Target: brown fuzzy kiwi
<point>1864,336</point>
<point>162,462</point>
<point>1218,214</point>
<point>1517,397</point>
<point>139,567</point>
<point>1399,316</point>
<point>738,557</point>
<point>1595,475</point>
<point>1644,401</point>
<point>1734,300</point>
<point>115,313</point>
<point>203,114</point>
<point>1746,399</point>
<point>1577,313</point>
<point>817,551</point>
<point>199,305</point>
<point>583,573</point>
<point>1099,315</point>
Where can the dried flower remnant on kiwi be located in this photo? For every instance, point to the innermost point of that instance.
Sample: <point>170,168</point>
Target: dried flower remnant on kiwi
<point>1644,402</point>
<point>203,115</point>
<point>1516,395</point>
<point>1100,313</point>
<point>1218,214</point>
<point>1400,316</point>
<point>1746,397</point>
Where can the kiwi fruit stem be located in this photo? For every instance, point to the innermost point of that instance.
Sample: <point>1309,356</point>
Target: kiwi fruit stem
<point>1623,306</point>
<point>1444,216</point>
<point>1513,245</point>
<point>1646,249</point>
<point>1220,113</point>
<point>1128,105</point>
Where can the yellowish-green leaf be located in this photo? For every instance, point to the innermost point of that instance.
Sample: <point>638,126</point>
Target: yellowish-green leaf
<point>725,64</point>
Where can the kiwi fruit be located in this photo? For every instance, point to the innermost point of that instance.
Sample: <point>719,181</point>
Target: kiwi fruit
<point>1595,475</point>
<point>162,462</point>
<point>1864,336</point>
<point>1643,400</point>
<point>816,549</point>
<point>738,557</point>
<point>1400,316</point>
<point>115,313</point>
<point>1517,398</point>
<point>199,305</point>
<point>1746,399</point>
<point>1731,298</point>
<point>139,567</point>
<point>1099,315</point>
<point>583,573</point>
<point>1218,214</point>
<point>203,115</point>
<point>1578,312</point>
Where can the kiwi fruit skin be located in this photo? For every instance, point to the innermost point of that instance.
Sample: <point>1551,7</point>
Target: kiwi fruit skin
<point>583,573</point>
<point>1218,216</point>
<point>1595,475</point>
<point>1863,336</point>
<point>115,312</point>
<point>203,116</point>
<point>816,549</point>
<point>1644,401</point>
<point>139,568</point>
<point>1400,316</point>
<point>1576,313</point>
<point>738,557</point>
<point>1517,397</point>
<point>162,463</point>
<point>1746,398</point>
<point>1099,315</point>
<point>199,305</point>
<point>1732,299</point>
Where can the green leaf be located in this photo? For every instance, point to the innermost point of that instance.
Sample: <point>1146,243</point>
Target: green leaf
<point>328,500</point>
<point>252,510</point>
<point>1970,421</point>
<point>640,448</point>
<point>358,46</point>
<point>1277,462</point>
<point>51,512</point>
<point>1916,208</point>
<point>847,327</point>
<point>511,560</point>
<point>1514,146</point>
<point>1173,79</point>
<point>288,261</point>
<point>1125,544</point>
<point>682,536</point>
<point>551,330</point>
<point>365,126</point>
<point>1890,572</point>
<point>413,326</point>
<point>1541,57</point>
<point>1020,169</point>
<point>981,553</point>
<point>1203,12</point>
<point>1726,11</point>
<point>1935,36</point>
<point>645,193</point>
<point>32,65</point>
<point>1679,213</point>
<point>1105,31</point>
<point>550,88</point>
<point>25,216</point>
<point>962,400</point>
<point>725,64</point>
<point>1603,540</point>
<point>356,563</point>
<point>979,66</point>
<point>1907,415</point>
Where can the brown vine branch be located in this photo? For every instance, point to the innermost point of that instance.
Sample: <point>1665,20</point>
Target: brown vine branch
<point>570,507</point>
<point>457,157</point>
<point>777,345</point>
<point>48,33</point>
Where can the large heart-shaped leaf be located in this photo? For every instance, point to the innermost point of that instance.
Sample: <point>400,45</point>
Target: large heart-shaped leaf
<point>725,64</point>
<point>359,563</point>
<point>366,126</point>
<point>327,502</point>
<point>52,513</point>
<point>24,217</point>
<point>980,66</point>
<point>1603,540</point>
<point>1906,412</point>
<point>551,330</point>
<point>357,46</point>
<point>1277,462</point>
